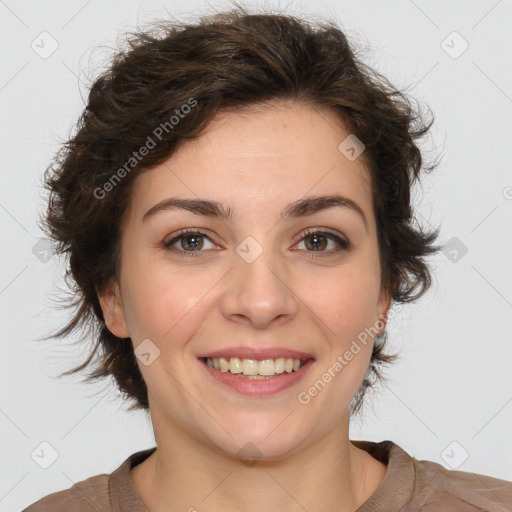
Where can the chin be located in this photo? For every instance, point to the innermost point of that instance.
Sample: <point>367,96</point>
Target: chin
<point>265,440</point>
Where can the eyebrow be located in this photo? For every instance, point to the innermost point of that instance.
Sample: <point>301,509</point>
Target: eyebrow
<point>302,207</point>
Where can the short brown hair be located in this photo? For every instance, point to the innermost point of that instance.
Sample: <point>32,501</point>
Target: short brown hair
<point>224,61</point>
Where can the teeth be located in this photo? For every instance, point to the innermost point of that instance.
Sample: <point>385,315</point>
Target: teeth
<point>250,367</point>
<point>268,367</point>
<point>224,365</point>
<point>235,365</point>
<point>253,367</point>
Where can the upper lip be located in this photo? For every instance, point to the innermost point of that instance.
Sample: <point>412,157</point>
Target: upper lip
<point>257,353</point>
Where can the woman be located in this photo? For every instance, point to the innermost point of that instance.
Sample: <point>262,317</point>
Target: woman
<point>236,210</point>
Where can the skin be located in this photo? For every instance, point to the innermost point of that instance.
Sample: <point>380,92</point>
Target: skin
<point>257,161</point>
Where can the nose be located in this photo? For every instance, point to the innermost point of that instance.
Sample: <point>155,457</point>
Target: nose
<point>259,293</point>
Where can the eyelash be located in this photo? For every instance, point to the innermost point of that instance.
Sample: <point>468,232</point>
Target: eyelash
<point>343,244</point>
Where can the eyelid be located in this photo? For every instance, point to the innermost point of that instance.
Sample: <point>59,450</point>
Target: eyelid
<point>322,231</point>
<point>183,232</point>
<point>341,240</point>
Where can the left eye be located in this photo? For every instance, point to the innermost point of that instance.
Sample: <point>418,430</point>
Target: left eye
<point>192,241</point>
<point>319,244</point>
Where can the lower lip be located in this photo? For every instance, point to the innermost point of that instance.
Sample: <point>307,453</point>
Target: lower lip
<point>259,387</point>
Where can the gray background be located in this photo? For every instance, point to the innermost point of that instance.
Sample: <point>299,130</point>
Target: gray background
<point>449,397</point>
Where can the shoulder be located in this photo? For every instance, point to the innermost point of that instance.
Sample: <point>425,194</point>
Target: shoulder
<point>106,492</point>
<point>411,485</point>
<point>89,495</point>
<point>469,491</point>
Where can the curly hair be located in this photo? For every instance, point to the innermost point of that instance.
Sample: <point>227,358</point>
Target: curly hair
<point>221,62</point>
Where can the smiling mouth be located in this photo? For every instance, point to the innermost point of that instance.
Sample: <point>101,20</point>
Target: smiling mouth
<point>254,368</point>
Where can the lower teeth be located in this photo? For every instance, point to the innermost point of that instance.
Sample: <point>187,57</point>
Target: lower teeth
<point>254,376</point>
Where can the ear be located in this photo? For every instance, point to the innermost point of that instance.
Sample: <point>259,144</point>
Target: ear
<point>113,310</point>
<point>383,309</point>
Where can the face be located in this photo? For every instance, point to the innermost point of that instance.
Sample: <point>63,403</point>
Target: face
<point>268,281</point>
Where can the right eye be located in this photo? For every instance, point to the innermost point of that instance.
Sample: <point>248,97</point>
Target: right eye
<point>190,240</point>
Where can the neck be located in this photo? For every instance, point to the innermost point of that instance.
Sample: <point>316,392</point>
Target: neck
<point>184,474</point>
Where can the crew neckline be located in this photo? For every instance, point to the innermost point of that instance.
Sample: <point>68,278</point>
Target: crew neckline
<point>400,474</point>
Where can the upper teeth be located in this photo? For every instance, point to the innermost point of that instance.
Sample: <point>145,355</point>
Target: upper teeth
<point>253,366</point>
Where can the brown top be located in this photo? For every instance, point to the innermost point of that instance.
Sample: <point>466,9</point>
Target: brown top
<point>410,485</point>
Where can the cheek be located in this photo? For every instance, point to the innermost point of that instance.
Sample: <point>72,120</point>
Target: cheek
<point>348,307</point>
<point>346,303</point>
<point>161,304</point>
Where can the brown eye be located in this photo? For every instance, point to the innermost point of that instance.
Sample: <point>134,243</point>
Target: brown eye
<point>318,241</point>
<point>189,242</point>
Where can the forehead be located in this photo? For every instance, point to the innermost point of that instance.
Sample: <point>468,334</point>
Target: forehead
<point>259,159</point>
